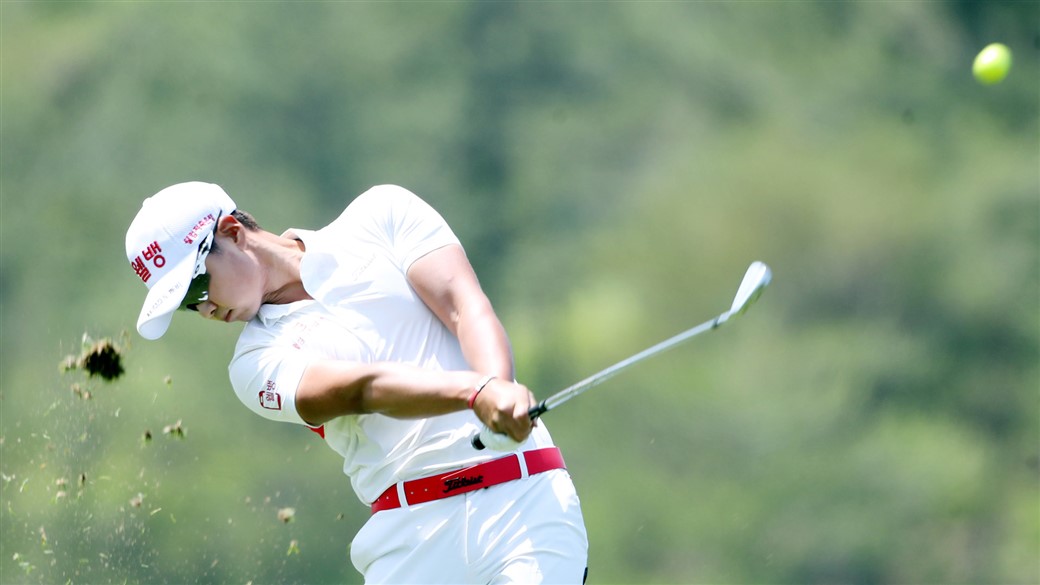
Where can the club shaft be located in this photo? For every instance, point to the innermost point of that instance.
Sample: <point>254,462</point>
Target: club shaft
<point>575,389</point>
<point>756,278</point>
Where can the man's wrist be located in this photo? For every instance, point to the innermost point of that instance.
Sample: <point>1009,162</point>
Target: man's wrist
<point>477,390</point>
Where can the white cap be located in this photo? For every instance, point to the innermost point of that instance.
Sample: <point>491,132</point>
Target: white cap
<point>162,245</point>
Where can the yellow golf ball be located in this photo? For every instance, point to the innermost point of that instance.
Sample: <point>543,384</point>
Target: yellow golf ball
<point>992,64</point>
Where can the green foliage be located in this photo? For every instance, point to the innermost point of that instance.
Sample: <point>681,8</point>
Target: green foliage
<point>611,168</point>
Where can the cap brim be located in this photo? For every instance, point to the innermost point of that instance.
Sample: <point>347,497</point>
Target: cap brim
<point>163,299</point>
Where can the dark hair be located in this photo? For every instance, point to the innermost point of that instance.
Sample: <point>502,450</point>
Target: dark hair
<point>243,218</point>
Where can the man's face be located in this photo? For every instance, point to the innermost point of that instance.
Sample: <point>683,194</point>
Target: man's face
<point>236,285</point>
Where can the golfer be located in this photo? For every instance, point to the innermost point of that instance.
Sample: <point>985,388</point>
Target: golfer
<point>374,332</point>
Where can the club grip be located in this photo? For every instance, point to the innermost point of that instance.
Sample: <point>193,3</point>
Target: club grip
<point>537,410</point>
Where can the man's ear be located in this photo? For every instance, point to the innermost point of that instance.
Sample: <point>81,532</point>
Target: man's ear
<point>230,227</point>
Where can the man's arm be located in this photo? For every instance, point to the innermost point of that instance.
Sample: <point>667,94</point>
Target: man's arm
<point>331,388</point>
<point>446,282</point>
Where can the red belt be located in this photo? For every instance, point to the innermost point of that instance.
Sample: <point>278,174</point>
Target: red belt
<point>473,478</point>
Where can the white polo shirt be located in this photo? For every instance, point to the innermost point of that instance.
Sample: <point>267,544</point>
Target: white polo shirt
<point>364,311</point>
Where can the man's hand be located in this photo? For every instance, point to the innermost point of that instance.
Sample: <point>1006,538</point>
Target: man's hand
<point>502,406</point>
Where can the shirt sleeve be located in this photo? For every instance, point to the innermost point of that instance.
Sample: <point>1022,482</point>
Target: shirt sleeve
<point>411,226</point>
<point>265,379</point>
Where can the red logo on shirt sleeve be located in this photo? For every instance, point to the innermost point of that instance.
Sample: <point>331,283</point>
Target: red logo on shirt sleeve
<point>270,399</point>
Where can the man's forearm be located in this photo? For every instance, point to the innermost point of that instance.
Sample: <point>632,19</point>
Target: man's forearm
<point>329,389</point>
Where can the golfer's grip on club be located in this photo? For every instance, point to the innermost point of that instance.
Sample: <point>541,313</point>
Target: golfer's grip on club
<point>502,442</point>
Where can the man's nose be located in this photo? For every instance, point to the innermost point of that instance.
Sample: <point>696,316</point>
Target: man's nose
<point>207,309</point>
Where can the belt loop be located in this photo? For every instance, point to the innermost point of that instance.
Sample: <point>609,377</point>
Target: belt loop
<point>401,496</point>
<point>523,465</point>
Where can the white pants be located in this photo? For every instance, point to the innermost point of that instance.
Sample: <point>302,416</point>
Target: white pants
<point>525,531</point>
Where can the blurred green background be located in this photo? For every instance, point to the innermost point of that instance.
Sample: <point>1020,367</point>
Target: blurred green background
<point>612,168</point>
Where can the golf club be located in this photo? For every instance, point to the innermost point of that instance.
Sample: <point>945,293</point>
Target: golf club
<point>755,280</point>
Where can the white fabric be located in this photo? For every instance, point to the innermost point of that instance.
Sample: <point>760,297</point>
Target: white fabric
<point>523,532</point>
<point>365,311</point>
